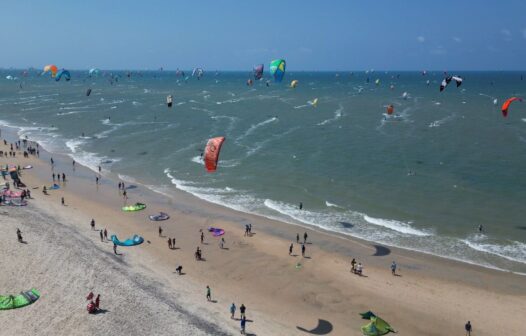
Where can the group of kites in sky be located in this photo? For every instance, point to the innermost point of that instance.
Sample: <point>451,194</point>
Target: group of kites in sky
<point>277,71</point>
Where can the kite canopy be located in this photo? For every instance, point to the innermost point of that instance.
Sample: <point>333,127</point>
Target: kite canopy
<point>390,109</point>
<point>160,217</point>
<point>313,102</point>
<point>258,71</point>
<point>506,105</point>
<point>50,68</point>
<point>198,72</point>
<point>216,232</point>
<point>63,73</point>
<point>277,69</point>
<point>294,83</point>
<point>376,327</point>
<point>23,299</point>
<point>448,79</point>
<point>213,147</point>
<point>135,207</point>
<point>133,241</point>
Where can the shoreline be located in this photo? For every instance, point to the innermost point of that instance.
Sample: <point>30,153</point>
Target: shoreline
<point>176,193</point>
<point>257,271</point>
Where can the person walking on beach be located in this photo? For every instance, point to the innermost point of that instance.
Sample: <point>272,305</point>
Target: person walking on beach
<point>202,237</point>
<point>19,235</point>
<point>114,248</point>
<point>105,234</point>
<point>92,224</point>
<point>297,238</point>
<point>170,243</point>
<point>290,248</point>
<point>468,328</point>
<point>303,250</point>
<point>73,164</point>
<point>393,268</point>
<point>53,175</point>
<point>208,293</point>
<point>242,310</point>
<point>124,194</point>
<point>160,231</point>
<point>63,177</point>
<point>101,236</point>
<point>173,242</point>
<point>243,325</point>
<point>96,180</point>
<point>305,236</point>
<point>222,243</point>
<point>232,310</point>
<point>63,201</point>
<point>51,160</point>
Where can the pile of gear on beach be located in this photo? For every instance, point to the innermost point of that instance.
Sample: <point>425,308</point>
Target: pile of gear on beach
<point>8,196</point>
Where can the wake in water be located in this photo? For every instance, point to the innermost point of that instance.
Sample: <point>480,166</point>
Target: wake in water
<point>337,115</point>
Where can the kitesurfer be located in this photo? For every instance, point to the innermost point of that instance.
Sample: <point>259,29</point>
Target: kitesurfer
<point>169,101</point>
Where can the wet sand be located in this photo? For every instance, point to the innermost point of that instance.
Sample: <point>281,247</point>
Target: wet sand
<point>65,260</point>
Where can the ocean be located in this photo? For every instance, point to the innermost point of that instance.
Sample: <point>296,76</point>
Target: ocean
<point>423,179</point>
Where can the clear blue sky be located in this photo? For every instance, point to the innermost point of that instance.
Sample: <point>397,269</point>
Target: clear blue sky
<point>234,35</point>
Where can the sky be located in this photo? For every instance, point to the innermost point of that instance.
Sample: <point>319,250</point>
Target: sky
<point>235,35</point>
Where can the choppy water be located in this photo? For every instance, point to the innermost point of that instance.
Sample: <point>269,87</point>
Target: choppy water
<point>424,179</point>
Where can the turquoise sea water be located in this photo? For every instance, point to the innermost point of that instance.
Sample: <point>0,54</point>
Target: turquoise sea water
<point>424,179</point>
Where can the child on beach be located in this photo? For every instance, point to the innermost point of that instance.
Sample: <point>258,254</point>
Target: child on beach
<point>393,268</point>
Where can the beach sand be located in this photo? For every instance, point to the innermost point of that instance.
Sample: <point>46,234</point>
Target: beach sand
<point>142,294</point>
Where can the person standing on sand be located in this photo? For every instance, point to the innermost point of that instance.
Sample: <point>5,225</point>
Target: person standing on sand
<point>393,268</point>
<point>468,328</point>
<point>114,248</point>
<point>63,201</point>
<point>353,265</point>
<point>208,293</point>
<point>101,236</point>
<point>242,310</point>
<point>202,237</point>
<point>105,234</point>
<point>124,195</point>
<point>63,177</point>
<point>19,235</point>
<point>73,164</point>
<point>51,160</point>
<point>303,250</point>
<point>222,243</point>
<point>290,248</point>
<point>97,301</point>
<point>53,175</point>
<point>160,231</point>
<point>173,242</point>
<point>92,224</point>
<point>232,310</point>
<point>305,236</point>
<point>170,243</point>
<point>96,180</point>
<point>297,238</point>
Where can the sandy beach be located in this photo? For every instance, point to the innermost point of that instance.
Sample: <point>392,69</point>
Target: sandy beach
<point>284,294</point>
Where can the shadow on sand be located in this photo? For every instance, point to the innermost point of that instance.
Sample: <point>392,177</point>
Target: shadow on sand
<point>324,327</point>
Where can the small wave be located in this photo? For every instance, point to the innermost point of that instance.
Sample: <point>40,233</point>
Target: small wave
<point>337,115</point>
<point>438,123</point>
<point>256,126</point>
<point>331,205</point>
<point>301,106</point>
<point>515,251</point>
<point>396,226</point>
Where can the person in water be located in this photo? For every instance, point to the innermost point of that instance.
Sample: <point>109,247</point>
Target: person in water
<point>481,228</point>
<point>301,206</point>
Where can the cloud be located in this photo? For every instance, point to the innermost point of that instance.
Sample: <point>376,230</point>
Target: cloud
<point>506,34</point>
<point>421,39</point>
<point>438,50</point>
<point>457,39</point>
